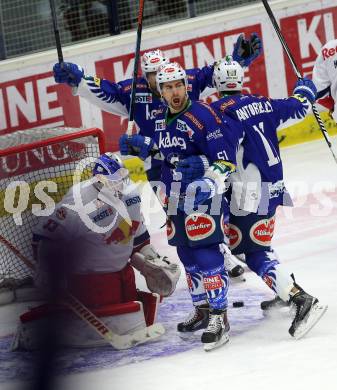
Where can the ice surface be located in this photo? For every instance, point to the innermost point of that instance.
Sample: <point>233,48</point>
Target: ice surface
<point>261,354</point>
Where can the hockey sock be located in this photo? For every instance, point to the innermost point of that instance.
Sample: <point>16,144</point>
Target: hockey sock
<point>267,266</point>
<point>195,285</point>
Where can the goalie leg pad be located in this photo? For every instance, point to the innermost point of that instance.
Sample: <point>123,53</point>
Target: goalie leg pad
<point>122,319</point>
<point>97,289</point>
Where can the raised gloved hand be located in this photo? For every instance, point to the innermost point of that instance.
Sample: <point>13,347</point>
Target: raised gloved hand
<point>305,87</point>
<point>197,193</point>
<point>245,51</point>
<point>136,145</point>
<point>192,168</point>
<point>68,73</point>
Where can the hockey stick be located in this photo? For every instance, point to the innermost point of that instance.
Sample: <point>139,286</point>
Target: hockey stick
<point>10,246</point>
<point>56,31</point>
<point>135,68</point>
<point>117,341</point>
<point>298,74</point>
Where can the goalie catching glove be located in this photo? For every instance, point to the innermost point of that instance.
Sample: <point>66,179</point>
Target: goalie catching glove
<point>160,273</point>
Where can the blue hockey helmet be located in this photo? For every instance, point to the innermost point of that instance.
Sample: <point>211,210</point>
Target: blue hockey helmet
<point>110,170</point>
<point>107,164</point>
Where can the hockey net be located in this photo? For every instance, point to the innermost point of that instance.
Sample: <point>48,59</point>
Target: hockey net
<point>27,159</point>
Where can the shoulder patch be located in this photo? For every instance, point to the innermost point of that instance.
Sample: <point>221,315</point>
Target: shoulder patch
<point>195,121</point>
<point>97,81</point>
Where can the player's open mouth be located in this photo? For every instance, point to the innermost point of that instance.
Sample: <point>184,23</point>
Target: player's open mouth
<point>176,101</point>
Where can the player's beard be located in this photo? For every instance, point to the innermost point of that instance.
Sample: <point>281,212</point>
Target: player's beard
<point>177,104</point>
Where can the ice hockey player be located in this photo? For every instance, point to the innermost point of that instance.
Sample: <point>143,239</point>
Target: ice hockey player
<point>257,186</point>
<point>185,128</point>
<point>324,76</point>
<point>95,239</point>
<point>115,97</point>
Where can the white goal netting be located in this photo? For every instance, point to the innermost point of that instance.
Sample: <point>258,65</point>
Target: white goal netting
<point>28,159</point>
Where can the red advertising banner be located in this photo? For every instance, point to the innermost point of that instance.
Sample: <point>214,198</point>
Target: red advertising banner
<point>192,53</point>
<point>36,101</point>
<point>305,34</point>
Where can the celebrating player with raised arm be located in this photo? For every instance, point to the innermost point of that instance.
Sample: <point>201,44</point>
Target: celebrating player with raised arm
<point>92,234</point>
<point>115,97</point>
<point>257,186</point>
<point>185,128</point>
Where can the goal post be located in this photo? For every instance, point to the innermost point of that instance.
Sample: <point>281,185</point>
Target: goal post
<point>29,160</point>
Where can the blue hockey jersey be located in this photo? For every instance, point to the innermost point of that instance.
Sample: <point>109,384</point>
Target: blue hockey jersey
<point>258,181</point>
<point>197,130</point>
<point>115,97</point>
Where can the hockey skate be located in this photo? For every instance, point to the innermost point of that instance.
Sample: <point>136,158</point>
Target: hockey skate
<point>275,303</point>
<point>308,313</point>
<point>217,332</point>
<point>197,320</point>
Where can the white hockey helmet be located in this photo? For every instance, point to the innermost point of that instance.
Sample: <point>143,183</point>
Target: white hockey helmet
<point>228,75</point>
<point>152,60</point>
<point>170,72</point>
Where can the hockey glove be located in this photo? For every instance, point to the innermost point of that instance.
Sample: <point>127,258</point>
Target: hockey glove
<point>136,145</point>
<point>160,273</point>
<point>192,168</point>
<point>197,193</point>
<point>245,51</point>
<point>68,73</point>
<point>125,147</point>
<point>305,87</point>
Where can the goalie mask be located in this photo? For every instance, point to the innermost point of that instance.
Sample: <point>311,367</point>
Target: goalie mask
<point>152,61</point>
<point>228,75</point>
<point>110,171</point>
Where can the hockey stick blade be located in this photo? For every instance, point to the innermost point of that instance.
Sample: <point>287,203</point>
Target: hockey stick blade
<point>315,314</point>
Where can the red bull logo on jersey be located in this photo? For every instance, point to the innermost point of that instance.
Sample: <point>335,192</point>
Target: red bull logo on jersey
<point>235,236</point>
<point>262,231</point>
<point>122,234</point>
<point>213,282</point>
<point>199,226</point>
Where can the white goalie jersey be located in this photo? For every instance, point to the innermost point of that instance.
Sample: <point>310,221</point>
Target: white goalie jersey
<point>101,239</point>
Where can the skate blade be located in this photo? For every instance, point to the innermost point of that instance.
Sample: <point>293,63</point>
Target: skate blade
<point>210,346</point>
<point>315,314</point>
<point>190,335</point>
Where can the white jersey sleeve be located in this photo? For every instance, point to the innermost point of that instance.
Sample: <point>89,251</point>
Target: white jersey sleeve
<point>110,101</point>
<point>325,72</point>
